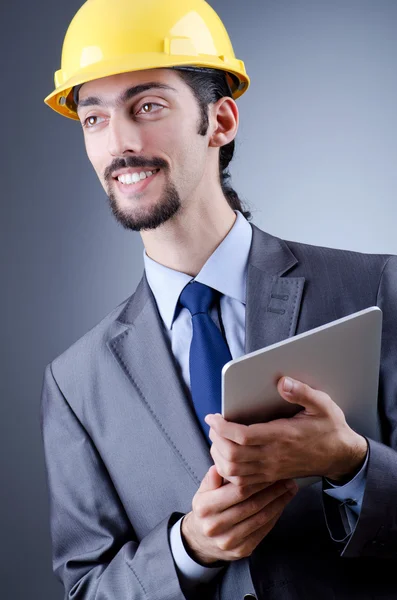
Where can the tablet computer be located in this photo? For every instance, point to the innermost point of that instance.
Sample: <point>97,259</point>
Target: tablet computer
<point>341,358</point>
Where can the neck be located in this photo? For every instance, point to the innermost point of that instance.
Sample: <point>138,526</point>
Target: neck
<point>187,241</point>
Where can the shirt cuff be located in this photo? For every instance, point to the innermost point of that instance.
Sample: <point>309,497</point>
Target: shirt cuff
<point>190,572</point>
<point>351,493</point>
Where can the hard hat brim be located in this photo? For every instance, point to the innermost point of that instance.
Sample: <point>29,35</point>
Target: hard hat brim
<point>61,100</point>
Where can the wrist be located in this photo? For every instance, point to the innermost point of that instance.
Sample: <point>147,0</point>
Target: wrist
<point>351,460</point>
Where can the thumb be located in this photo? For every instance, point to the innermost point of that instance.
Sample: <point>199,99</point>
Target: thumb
<point>296,392</point>
<point>211,481</point>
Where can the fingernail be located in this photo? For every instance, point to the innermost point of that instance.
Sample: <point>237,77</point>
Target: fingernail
<point>288,384</point>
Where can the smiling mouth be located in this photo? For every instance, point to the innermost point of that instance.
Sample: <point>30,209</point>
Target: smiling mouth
<point>134,178</point>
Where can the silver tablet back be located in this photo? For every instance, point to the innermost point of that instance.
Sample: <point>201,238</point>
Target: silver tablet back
<point>341,358</point>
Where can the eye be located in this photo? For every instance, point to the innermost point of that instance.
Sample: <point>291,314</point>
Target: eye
<point>147,108</point>
<point>86,122</point>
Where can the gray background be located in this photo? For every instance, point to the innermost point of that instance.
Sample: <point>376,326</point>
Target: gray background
<point>316,162</point>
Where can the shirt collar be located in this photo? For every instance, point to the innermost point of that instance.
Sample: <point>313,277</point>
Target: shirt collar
<point>225,270</point>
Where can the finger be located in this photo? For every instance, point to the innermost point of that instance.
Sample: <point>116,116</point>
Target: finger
<point>257,536</point>
<point>233,452</point>
<point>244,435</point>
<point>227,469</point>
<point>248,544</point>
<point>226,496</point>
<point>242,511</point>
<point>314,401</point>
<point>247,480</point>
<point>211,481</point>
<point>269,515</point>
<point>242,520</point>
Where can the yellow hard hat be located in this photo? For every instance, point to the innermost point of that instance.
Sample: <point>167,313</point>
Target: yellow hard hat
<point>107,37</point>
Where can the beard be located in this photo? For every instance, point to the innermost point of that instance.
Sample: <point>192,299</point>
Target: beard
<point>141,219</point>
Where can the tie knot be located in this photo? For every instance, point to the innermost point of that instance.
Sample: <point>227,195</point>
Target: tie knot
<point>197,297</point>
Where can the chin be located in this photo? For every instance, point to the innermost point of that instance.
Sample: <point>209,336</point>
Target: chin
<point>146,218</point>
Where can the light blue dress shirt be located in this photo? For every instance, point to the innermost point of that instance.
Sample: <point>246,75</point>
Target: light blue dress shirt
<point>225,271</point>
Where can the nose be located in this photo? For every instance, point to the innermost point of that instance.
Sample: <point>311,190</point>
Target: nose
<point>123,136</point>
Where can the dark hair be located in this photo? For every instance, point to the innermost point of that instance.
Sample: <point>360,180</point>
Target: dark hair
<point>208,86</point>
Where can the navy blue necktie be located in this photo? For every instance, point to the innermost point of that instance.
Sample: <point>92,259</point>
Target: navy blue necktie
<point>208,352</point>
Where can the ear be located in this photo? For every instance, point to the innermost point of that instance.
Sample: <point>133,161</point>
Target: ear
<point>224,119</point>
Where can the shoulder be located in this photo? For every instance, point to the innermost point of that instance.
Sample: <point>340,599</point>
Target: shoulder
<point>319,262</point>
<point>347,269</point>
<point>338,255</point>
<point>358,274</point>
<point>343,263</point>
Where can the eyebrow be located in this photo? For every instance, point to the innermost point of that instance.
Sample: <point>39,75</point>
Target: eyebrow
<point>124,96</point>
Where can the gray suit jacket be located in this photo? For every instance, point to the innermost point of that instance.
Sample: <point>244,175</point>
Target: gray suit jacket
<point>125,455</point>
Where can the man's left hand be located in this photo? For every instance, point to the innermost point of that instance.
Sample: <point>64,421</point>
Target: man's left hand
<point>316,441</point>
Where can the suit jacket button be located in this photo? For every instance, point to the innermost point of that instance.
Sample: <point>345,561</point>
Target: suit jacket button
<point>250,597</point>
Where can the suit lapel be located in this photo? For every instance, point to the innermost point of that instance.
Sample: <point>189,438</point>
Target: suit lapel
<point>144,354</point>
<point>272,302</point>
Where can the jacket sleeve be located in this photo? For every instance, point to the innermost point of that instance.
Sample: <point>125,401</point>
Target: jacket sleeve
<point>375,533</point>
<point>96,553</point>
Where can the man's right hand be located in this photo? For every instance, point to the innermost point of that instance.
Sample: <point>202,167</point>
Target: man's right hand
<point>227,522</point>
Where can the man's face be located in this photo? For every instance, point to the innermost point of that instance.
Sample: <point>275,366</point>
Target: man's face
<point>152,129</point>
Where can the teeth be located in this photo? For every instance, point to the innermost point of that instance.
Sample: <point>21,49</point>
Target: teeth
<point>131,178</point>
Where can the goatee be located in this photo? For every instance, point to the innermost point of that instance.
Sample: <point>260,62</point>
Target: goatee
<point>141,219</point>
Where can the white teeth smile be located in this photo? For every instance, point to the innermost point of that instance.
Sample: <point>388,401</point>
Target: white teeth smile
<point>131,178</point>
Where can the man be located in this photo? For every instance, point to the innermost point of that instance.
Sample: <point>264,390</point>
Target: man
<point>153,494</point>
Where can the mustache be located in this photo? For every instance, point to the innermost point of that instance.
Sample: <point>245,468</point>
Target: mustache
<point>130,162</point>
